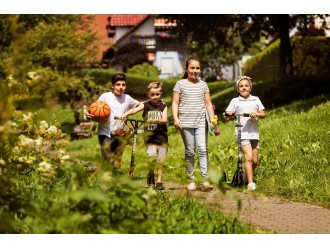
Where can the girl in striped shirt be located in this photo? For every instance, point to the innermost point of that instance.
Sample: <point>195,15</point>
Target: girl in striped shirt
<point>191,96</point>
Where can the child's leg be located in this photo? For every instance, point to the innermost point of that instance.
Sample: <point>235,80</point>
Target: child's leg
<point>188,137</point>
<point>254,158</point>
<point>247,150</point>
<point>201,136</point>
<point>161,154</point>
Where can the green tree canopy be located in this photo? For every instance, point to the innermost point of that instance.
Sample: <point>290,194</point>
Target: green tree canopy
<point>203,29</point>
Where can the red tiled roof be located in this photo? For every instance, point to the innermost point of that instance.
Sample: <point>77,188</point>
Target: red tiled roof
<point>127,19</point>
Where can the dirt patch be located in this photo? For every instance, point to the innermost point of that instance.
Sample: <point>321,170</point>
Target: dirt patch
<point>271,214</point>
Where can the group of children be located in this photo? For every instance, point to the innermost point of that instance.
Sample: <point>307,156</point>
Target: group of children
<point>191,99</point>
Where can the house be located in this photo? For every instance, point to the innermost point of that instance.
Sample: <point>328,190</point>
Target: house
<point>163,50</point>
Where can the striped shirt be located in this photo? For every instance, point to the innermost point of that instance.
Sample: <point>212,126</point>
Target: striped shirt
<point>191,109</point>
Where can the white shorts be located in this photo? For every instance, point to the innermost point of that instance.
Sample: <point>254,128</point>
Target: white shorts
<point>253,142</point>
<point>158,152</point>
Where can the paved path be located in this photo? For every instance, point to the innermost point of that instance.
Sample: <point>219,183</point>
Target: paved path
<point>268,213</point>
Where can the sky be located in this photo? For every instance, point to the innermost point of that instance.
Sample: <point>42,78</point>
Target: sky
<point>164,7</point>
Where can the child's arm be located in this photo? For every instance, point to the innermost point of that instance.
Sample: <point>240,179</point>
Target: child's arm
<point>209,106</point>
<point>132,111</point>
<point>175,109</point>
<point>261,114</point>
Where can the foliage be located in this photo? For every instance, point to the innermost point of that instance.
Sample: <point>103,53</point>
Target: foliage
<point>137,84</point>
<point>265,64</point>
<point>129,55</point>
<point>61,46</point>
<point>224,29</point>
<point>275,93</point>
<point>43,190</point>
<point>297,167</point>
<point>144,69</point>
<point>44,62</point>
<point>309,58</point>
<point>293,162</point>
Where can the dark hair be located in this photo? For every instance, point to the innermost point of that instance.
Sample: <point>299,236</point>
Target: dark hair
<point>185,75</point>
<point>118,77</point>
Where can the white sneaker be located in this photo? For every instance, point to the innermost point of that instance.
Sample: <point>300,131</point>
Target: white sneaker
<point>191,186</point>
<point>251,186</point>
<point>206,186</point>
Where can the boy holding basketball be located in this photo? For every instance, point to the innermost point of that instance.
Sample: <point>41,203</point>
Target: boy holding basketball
<point>112,144</point>
<point>155,130</point>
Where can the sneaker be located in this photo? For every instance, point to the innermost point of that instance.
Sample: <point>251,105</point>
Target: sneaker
<point>206,186</point>
<point>191,186</point>
<point>159,186</point>
<point>151,180</point>
<point>251,186</point>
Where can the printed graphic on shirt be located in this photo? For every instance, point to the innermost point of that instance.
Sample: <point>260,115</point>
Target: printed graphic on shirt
<point>154,115</point>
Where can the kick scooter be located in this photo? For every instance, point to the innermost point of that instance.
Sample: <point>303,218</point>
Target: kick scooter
<point>238,178</point>
<point>133,126</point>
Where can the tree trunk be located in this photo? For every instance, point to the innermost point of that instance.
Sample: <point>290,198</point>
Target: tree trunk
<point>286,65</point>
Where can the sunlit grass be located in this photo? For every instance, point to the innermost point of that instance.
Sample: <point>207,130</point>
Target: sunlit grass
<point>293,157</point>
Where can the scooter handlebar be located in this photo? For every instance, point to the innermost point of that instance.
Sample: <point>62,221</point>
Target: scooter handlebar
<point>233,115</point>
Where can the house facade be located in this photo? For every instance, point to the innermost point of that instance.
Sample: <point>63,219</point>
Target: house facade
<point>163,50</point>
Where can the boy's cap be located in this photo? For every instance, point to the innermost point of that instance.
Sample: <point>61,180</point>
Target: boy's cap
<point>241,78</point>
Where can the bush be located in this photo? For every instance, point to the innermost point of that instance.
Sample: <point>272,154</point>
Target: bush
<point>309,54</point>
<point>144,69</point>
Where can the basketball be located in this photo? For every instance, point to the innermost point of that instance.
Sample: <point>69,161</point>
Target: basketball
<point>101,111</point>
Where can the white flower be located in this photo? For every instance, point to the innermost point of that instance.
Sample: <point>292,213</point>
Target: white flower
<point>65,157</point>
<point>32,75</point>
<point>27,117</point>
<point>44,166</point>
<point>31,160</point>
<point>52,130</point>
<point>38,142</point>
<point>61,152</point>
<point>43,124</point>
<point>13,124</point>
<point>25,141</point>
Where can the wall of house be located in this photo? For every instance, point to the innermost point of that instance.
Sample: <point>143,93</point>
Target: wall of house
<point>169,63</point>
<point>120,31</point>
<point>147,28</point>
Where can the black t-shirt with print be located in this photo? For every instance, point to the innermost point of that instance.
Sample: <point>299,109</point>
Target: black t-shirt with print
<point>154,133</point>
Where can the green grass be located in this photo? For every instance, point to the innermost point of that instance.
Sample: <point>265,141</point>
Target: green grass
<point>293,157</point>
<point>294,151</point>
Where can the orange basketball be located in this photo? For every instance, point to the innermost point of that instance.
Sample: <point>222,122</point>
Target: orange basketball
<point>101,111</point>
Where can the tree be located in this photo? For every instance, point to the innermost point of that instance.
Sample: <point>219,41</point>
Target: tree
<point>55,52</point>
<point>129,55</point>
<point>250,28</point>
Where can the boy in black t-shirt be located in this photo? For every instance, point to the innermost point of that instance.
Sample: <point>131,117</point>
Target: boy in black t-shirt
<point>155,130</point>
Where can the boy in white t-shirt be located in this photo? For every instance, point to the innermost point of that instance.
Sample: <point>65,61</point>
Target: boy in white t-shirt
<point>112,144</point>
<point>246,103</point>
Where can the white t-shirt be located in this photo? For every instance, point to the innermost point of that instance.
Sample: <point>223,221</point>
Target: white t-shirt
<point>119,105</point>
<point>240,105</point>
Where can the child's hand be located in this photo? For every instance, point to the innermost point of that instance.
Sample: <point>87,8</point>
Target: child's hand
<point>177,124</point>
<point>254,114</point>
<point>122,118</point>
<point>88,115</point>
<point>215,120</point>
<point>152,121</point>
